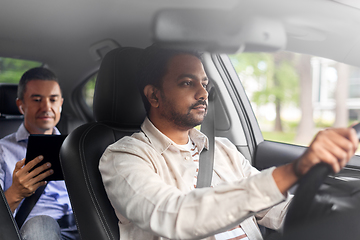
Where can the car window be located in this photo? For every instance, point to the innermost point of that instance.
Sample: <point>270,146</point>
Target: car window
<point>12,69</point>
<point>88,90</point>
<point>292,113</point>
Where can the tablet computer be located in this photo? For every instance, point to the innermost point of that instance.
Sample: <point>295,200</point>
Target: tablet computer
<point>49,147</point>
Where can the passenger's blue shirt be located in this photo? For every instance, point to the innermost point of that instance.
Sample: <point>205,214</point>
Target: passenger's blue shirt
<point>54,201</point>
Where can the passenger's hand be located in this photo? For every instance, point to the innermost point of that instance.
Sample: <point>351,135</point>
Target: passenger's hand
<point>332,146</point>
<point>25,182</point>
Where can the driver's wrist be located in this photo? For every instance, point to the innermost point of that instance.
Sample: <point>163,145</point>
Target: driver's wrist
<point>295,168</point>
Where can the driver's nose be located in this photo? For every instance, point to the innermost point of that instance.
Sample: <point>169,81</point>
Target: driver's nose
<point>202,93</point>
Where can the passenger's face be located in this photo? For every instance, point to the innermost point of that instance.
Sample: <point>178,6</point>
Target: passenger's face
<point>184,97</point>
<point>41,106</point>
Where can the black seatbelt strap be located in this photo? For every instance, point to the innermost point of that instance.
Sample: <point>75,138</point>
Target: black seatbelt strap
<point>206,161</point>
<point>27,205</point>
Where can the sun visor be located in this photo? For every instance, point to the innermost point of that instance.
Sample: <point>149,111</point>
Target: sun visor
<point>217,31</point>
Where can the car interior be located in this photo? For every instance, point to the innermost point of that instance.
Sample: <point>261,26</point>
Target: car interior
<point>81,152</point>
<point>97,42</point>
<point>10,118</point>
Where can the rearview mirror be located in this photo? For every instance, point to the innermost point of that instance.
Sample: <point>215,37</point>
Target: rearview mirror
<point>217,31</point>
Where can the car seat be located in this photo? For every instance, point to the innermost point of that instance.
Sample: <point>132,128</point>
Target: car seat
<point>10,117</point>
<point>118,111</point>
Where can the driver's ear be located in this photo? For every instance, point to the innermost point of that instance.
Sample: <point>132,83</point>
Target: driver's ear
<point>151,93</point>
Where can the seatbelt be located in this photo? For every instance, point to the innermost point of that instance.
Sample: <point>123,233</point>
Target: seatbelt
<point>206,158</point>
<point>27,205</point>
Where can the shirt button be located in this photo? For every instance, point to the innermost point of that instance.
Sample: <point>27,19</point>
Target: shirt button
<point>231,217</point>
<point>187,158</point>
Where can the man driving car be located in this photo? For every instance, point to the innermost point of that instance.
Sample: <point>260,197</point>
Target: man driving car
<point>40,101</point>
<point>150,177</point>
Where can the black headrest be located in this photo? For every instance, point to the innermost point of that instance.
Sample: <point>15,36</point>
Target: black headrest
<point>8,95</point>
<point>116,98</point>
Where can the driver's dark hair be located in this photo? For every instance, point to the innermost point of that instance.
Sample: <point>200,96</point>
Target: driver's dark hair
<point>153,67</point>
<point>38,73</point>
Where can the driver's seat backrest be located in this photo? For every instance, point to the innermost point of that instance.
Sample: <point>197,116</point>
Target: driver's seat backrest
<point>118,111</point>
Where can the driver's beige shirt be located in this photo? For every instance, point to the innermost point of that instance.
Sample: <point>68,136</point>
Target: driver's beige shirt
<point>148,180</point>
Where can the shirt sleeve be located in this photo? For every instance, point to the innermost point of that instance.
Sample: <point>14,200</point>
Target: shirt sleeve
<point>271,218</point>
<point>140,195</point>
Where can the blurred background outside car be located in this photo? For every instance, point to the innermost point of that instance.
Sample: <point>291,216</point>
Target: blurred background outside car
<point>296,95</point>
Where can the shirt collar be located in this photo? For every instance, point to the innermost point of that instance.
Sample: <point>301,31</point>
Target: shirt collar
<point>161,142</point>
<point>22,134</point>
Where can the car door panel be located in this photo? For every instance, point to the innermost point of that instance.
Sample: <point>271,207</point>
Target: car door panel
<point>268,154</point>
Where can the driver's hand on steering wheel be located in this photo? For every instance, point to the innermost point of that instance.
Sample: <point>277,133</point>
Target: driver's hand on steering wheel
<point>332,146</point>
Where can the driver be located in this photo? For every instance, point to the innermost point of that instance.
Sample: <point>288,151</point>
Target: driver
<point>150,177</point>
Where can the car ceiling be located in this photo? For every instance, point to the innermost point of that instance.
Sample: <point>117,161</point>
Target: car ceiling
<point>60,33</point>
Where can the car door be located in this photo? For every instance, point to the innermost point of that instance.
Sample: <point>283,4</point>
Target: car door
<point>241,126</point>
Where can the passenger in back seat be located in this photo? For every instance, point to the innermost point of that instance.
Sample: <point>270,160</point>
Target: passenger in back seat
<point>40,101</point>
<point>150,177</point>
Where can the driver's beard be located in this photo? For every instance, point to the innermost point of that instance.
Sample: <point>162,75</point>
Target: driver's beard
<point>186,121</point>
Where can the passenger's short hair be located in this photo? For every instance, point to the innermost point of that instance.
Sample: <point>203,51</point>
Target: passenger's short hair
<point>153,67</point>
<point>38,73</point>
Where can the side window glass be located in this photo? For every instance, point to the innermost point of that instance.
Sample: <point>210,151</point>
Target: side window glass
<point>295,95</point>
<point>12,69</point>
<point>88,90</point>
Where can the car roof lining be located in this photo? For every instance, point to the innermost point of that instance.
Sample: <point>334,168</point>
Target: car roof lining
<point>54,32</point>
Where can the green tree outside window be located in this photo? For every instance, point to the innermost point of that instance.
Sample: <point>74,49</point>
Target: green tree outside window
<point>12,69</point>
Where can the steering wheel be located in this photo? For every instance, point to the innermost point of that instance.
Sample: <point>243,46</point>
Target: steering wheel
<point>299,210</point>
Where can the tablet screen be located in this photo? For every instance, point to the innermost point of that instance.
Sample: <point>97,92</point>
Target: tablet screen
<point>49,147</point>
